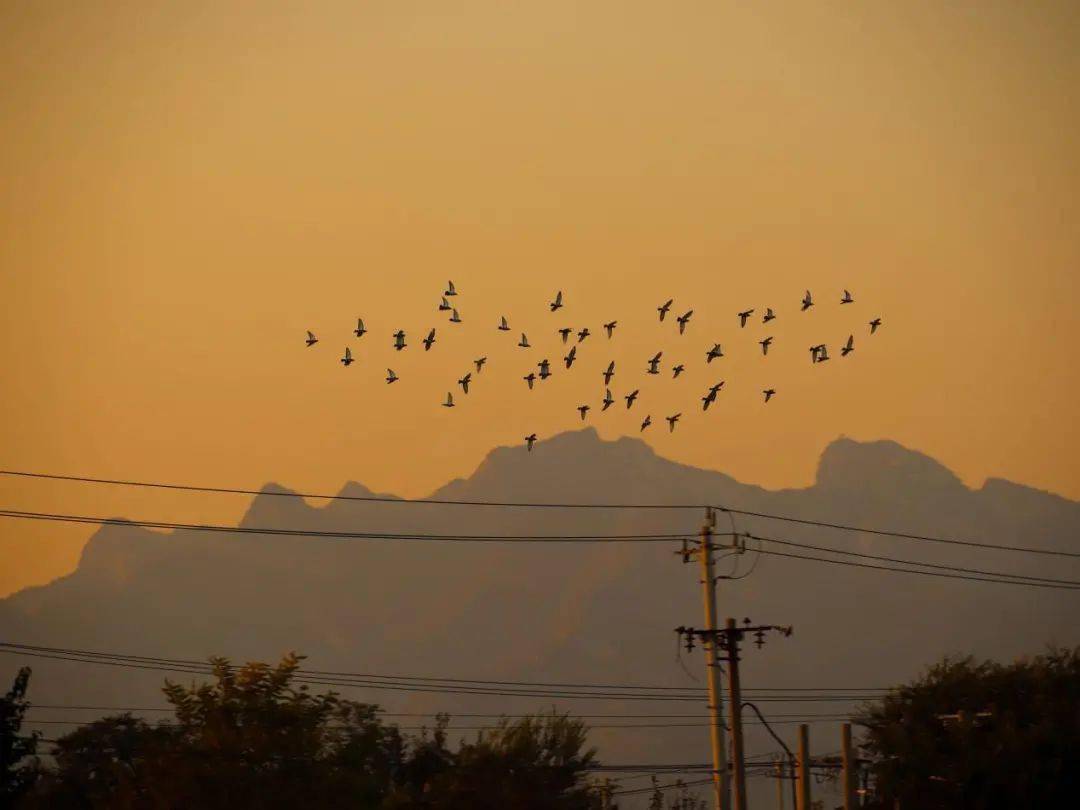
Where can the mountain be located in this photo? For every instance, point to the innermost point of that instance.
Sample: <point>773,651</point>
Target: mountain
<point>568,612</point>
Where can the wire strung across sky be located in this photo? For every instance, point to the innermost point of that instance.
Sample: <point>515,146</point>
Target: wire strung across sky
<point>531,505</point>
<point>444,685</point>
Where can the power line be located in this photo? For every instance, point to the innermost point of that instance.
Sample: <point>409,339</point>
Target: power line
<point>436,713</point>
<point>900,535</point>
<point>342,535</point>
<point>922,573</point>
<point>978,571</point>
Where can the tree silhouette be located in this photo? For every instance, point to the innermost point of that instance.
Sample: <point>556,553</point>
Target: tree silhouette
<point>16,777</point>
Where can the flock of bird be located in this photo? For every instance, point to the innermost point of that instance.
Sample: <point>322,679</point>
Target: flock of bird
<point>818,353</point>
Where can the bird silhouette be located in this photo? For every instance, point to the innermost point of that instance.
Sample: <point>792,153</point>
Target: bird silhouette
<point>610,327</point>
<point>609,372</point>
<point>647,422</point>
<point>450,289</point>
<point>583,410</point>
<point>454,317</point>
<point>571,355</point>
<point>683,320</point>
<point>557,303</point>
<point>311,339</point>
<point>348,358</point>
<point>630,398</point>
<point>391,376</point>
<point>479,363</point>
<point>671,420</point>
<point>444,305</point>
<point>608,400</point>
<point>823,353</point>
<point>545,369</point>
<point>769,393</point>
<point>769,315</point>
<point>814,353</point>
<point>429,340</point>
<point>765,344</point>
<point>584,333</point>
<point>848,347</point>
<point>359,331</point>
<point>663,308</point>
<point>654,364</point>
<point>565,333</point>
<point>677,370</point>
<point>530,440</point>
<point>744,316</point>
<point>504,326</point>
<point>707,400</point>
<point>529,379</point>
<point>464,382</point>
<point>399,340</point>
<point>524,342</point>
<point>715,389</point>
<point>449,400</point>
<point>848,298</point>
<point>714,353</point>
<point>807,302</point>
<point>874,324</point>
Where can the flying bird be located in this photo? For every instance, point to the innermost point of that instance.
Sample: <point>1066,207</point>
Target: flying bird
<point>479,363</point>
<point>348,358</point>
<point>524,342</point>
<point>557,303</point>
<point>529,379</point>
<point>429,340</point>
<point>679,369</point>
<point>391,376</point>
<point>545,369</point>
<point>449,400</point>
<point>848,347</point>
<point>569,359</point>
<point>399,340</point>
<point>671,420</point>
<point>450,289</point>
<point>584,333</point>
<point>583,409</point>
<point>714,353</point>
<point>565,332</point>
<point>647,422</point>
<point>630,398</point>
<point>464,382</point>
<point>715,389</point>
<point>609,372</point>
<point>530,440</point>
<point>663,308</point>
<point>608,399</point>
<point>769,392</point>
<point>454,317</point>
<point>814,353</point>
<point>359,331</point>
<point>707,400</point>
<point>504,326</point>
<point>769,315</point>
<point>654,364</point>
<point>765,344</point>
<point>744,317</point>
<point>848,298</point>
<point>823,353</point>
<point>807,302</point>
<point>311,339</point>
<point>610,327</point>
<point>874,324</point>
<point>444,305</point>
<point>683,320</point>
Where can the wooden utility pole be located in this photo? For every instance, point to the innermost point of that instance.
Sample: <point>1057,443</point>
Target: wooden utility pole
<point>731,637</point>
<point>721,786</point>
<point>780,785</point>
<point>804,768</point>
<point>850,765</point>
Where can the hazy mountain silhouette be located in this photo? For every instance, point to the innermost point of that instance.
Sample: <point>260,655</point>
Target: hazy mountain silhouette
<point>567,612</point>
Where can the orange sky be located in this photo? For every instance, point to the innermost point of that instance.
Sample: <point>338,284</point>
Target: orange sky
<point>188,187</point>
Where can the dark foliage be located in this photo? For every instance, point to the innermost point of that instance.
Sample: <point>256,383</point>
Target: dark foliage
<point>16,775</point>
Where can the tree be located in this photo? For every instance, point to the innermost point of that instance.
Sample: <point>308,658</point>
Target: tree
<point>16,777</point>
<point>980,735</point>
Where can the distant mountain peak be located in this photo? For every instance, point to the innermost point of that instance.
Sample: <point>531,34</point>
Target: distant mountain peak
<point>849,464</point>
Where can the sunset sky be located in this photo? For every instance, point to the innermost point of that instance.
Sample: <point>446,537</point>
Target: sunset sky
<point>188,187</point>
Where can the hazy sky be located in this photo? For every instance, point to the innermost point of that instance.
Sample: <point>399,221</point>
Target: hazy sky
<point>187,187</point>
